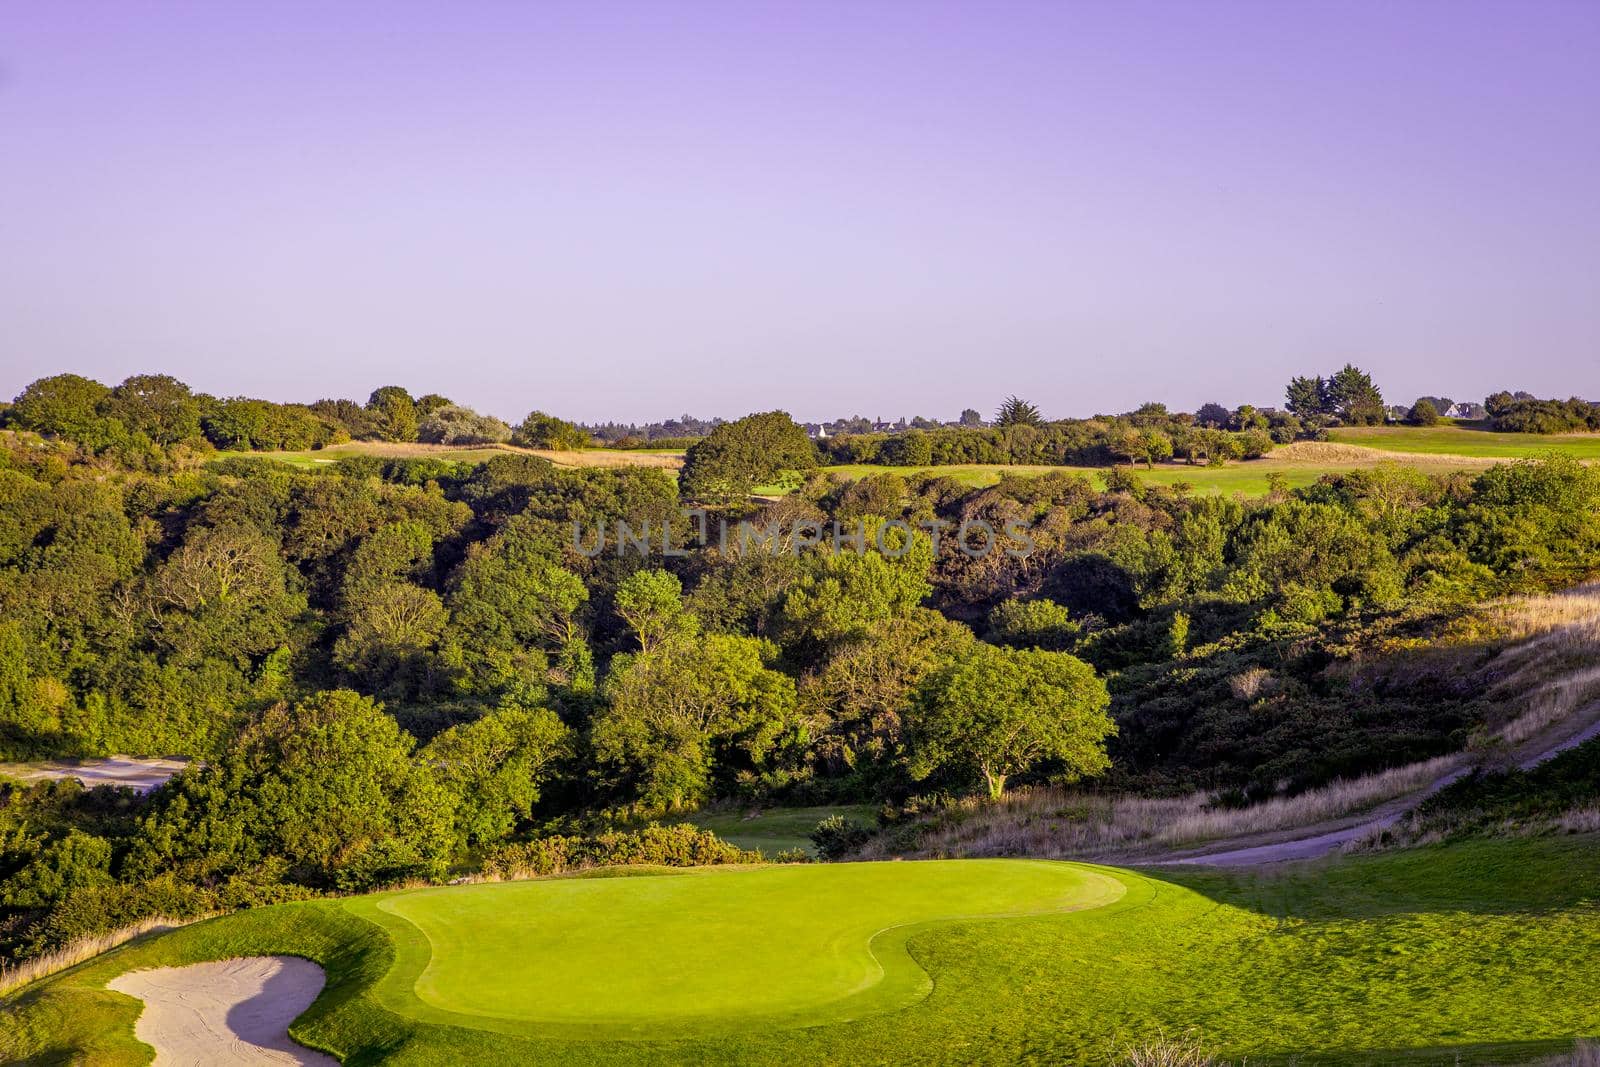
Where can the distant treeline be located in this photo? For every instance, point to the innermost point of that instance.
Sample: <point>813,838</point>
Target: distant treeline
<point>1526,413</point>
<point>149,419</point>
<point>1019,435</point>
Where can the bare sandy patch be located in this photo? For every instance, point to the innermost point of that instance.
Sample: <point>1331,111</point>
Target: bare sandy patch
<point>231,1012</point>
<point>137,773</point>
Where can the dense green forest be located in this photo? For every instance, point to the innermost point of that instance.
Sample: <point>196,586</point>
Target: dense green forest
<point>390,669</point>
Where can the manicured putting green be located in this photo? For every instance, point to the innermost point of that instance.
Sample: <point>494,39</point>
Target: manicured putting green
<point>713,947</point>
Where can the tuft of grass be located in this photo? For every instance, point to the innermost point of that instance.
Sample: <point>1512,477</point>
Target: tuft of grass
<point>1185,1051</point>
<point>16,975</point>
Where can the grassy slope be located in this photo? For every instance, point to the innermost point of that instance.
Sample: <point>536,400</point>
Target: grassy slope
<point>1455,948</point>
<point>1467,441</point>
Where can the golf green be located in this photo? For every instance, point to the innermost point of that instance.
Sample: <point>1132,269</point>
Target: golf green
<point>709,948</point>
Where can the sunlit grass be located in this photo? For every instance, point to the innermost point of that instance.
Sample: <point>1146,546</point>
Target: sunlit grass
<point>1466,953</point>
<point>1467,441</point>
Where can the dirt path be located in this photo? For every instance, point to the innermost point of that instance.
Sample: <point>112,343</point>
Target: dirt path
<point>141,775</point>
<point>1381,818</point>
<point>231,1012</point>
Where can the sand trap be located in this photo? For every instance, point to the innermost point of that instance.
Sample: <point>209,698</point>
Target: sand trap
<point>228,1012</point>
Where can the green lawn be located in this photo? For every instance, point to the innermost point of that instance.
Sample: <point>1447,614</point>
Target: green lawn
<point>710,950</point>
<point>1250,477</point>
<point>776,829</point>
<point>311,459</point>
<point>1467,441</point>
<point>1478,952</point>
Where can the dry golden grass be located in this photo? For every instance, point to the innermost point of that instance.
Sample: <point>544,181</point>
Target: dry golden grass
<point>596,457</point>
<point>1580,821</point>
<point>1052,822</point>
<point>13,976</point>
<point>601,458</point>
<point>1548,673</point>
<point>1332,453</point>
<point>1185,1051</point>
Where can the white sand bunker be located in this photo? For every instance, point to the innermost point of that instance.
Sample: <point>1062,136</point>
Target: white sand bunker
<point>228,1012</point>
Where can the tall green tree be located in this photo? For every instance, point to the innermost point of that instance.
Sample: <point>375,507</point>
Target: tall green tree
<point>650,602</point>
<point>1015,411</point>
<point>1354,398</point>
<point>66,405</point>
<point>1307,397</point>
<point>999,712</point>
<point>511,607</point>
<point>496,767</point>
<point>843,594</point>
<point>158,406</point>
<point>686,713</point>
<point>539,430</point>
<point>394,413</point>
<point>728,463</point>
<point>327,786</point>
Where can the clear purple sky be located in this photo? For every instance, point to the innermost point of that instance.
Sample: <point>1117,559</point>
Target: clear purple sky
<point>882,207</point>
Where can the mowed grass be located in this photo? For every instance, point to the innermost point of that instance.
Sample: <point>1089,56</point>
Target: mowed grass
<point>1467,441</point>
<point>1478,952</point>
<point>776,830</point>
<point>697,951</point>
<point>1300,467</point>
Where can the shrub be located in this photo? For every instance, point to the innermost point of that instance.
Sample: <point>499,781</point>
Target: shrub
<point>1250,684</point>
<point>665,846</point>
<point>836,837</point>
<point>1423,413</point>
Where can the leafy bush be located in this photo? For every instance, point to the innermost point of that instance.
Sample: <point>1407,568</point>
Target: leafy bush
<point>662,846</point>
<point>838,836</point>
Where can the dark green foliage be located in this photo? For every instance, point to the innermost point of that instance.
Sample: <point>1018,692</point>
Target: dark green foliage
<point>997,713</point>
<point>496,767</point>
<point>158,406</point>
<point>737,456</point>
<point>66,405</point>
<point>1307,397</point>
<point>539,430</point>
<point>1017,412</point>
<point>1524,413</point>
<point>838,836</point>
<point>1033,624</point>
<point>1533,800</point>
<point>660,846</point>
<point>1423,413</point>
<point>1347,395</point>
<point>1353,398</point>
<point>393,414</point>
<point>326,786</point>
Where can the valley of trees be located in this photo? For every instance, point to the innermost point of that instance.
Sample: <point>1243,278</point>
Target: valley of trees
<point>395,668</point>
